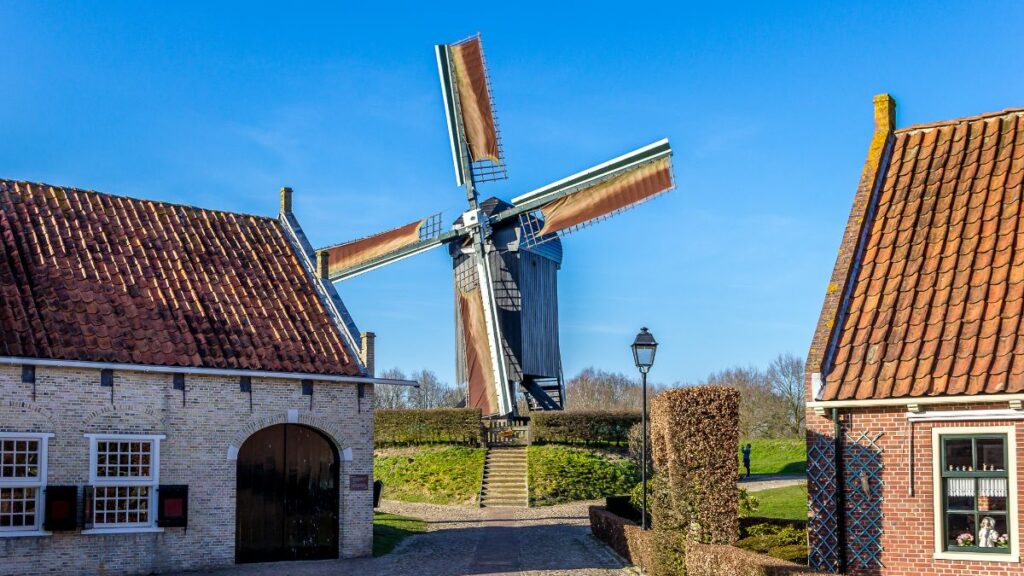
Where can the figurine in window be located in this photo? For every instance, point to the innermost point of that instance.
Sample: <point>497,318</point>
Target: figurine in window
<point>988,536</point>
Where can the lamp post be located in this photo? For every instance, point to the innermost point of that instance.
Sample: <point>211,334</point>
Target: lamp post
<point>644,347</point>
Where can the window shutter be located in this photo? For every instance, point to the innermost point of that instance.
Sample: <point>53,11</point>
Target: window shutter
<point>87,512</point>
<point>172,506</point>
<point>60,509</point>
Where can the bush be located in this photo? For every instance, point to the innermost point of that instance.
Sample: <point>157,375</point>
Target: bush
<point>635,441</point>
<point>796,553</point>
<point>716,560</point>
<point>435,426</point>
<point>761,525</point>
<point>561,474</point>
<point>694,433</point>
<point>583,427</point>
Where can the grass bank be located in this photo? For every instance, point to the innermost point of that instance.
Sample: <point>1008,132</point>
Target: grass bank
<point>776,456</point>
<point>560,474</point>
<point>434,475</point>
<point>389,530</point>
<point>789,503</point>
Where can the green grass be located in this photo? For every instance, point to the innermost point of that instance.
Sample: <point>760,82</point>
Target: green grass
<point>789,503</point>
<point>434,475</point>
<point>560,474</point>
<point>776,456</point>
<point>389,530</point>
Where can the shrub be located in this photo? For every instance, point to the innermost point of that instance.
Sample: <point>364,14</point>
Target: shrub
<point>694,433</point>
<point>583,427</point>
<point>561,474</point>
<point>796,553</point>
<point>747,504</point>
<point>769,525</point>
<point>435,426</point>
<point>635,441</point>
<point>716,560</point>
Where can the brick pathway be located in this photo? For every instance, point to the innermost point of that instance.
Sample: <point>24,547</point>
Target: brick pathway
<point>549,541</point>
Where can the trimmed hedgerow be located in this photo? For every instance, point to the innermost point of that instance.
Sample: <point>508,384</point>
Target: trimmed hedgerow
<point>590,427</point>
<point>610,529</point>
<point>406,427</point>
<point>715,560</point>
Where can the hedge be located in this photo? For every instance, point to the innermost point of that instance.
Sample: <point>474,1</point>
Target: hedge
<point>716,560</point>
<point>694,434</point>
<point>435,426</point>
<point>582,427</point>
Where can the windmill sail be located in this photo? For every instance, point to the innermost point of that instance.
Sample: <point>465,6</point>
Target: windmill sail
<point>351,258</point>
<point>483,391</point>
<point>470,110</point>
<point>598,192</point>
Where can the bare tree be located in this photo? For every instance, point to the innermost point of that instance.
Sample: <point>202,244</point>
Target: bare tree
<point>385,396</point>
<point>762,413</point>
<point>786,375</point>
<point>431,392</point>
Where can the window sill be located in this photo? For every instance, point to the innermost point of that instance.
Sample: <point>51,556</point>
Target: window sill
<point>124,530</point>
<point>978,557</point>
<point>24,533</point>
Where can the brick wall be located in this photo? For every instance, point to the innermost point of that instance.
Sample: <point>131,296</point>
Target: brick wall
<point>200,438</point>
<point>907,519</point>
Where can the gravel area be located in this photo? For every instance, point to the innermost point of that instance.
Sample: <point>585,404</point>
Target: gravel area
<point>548,541</point>
<point>768,481</point>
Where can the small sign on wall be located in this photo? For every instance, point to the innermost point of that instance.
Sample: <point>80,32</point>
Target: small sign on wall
<point>358,482</point>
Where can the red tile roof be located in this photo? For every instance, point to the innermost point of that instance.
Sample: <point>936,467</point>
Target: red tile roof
<point>95,277</point>
<point>935,307</point>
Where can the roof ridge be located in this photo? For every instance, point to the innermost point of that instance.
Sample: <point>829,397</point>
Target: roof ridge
<point>136,199</point>
<point>943,123</point>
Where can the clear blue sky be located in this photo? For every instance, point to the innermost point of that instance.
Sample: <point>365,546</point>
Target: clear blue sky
<point>768,109</point>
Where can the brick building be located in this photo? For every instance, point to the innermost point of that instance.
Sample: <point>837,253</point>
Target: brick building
<point>915,377</point>
<point>179,388</point>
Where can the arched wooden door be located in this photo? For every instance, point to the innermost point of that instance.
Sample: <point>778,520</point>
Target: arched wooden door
<point>287,498</point>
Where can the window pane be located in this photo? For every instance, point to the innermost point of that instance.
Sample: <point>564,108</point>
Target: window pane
<point>992,494</point>
<point>958,455</point>
<point>960,493</point>
<point>991,454</point>
<point>960,531</point>
<point>123,459</point>
<point>19,458</point>
<point>993,532</point>
<point>18,508</point>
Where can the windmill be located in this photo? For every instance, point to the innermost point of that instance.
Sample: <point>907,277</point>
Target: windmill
<point>505,255</point>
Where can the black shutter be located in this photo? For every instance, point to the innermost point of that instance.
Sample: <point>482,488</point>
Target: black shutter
<point>87,512</point>
<point>172,506</point>
<point>60,509</point>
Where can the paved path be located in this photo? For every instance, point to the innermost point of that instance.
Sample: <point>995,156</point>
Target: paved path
<point>760,482</point>
<point>549,541</point>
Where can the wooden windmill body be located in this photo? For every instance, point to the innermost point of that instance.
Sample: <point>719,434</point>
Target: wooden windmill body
<point>505,255</point>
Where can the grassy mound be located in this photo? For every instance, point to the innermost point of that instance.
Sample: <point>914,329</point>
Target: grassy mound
<point>560,474</point>
<point>434,475</point>
<point>389,530</point>
<point>789,503</point>
<point>776,456</point>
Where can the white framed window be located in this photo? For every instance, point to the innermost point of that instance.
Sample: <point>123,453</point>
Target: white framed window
<point>22,483</point>
<point>124,472</point>
<point>975,493</point>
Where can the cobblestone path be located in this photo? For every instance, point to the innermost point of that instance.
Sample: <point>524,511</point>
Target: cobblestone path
<point>549,541</point>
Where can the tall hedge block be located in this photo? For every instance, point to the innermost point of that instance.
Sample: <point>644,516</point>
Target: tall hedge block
<point>408,427</point>
<point>694,434</point>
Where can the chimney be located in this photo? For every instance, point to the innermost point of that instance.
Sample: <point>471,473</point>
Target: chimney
<point>286,200</point>
<point>885,113</point>
<point>367,351</point>
<point>322,265</point>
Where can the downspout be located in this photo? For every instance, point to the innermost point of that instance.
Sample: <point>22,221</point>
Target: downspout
<point>840,493</point>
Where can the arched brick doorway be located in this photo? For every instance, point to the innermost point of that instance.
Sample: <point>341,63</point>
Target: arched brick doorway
<point>287,496</point>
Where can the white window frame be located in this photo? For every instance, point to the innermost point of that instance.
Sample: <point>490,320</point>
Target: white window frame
<point>1011,516</point>
<point>153,482</point>
<point>38,483</point>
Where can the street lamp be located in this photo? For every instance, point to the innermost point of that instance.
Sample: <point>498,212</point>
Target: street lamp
<point>644,348</point>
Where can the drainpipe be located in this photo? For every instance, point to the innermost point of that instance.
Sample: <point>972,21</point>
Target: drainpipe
<point>840,492</point>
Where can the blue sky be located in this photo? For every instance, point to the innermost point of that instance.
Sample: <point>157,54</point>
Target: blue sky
<point>768,108</point>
